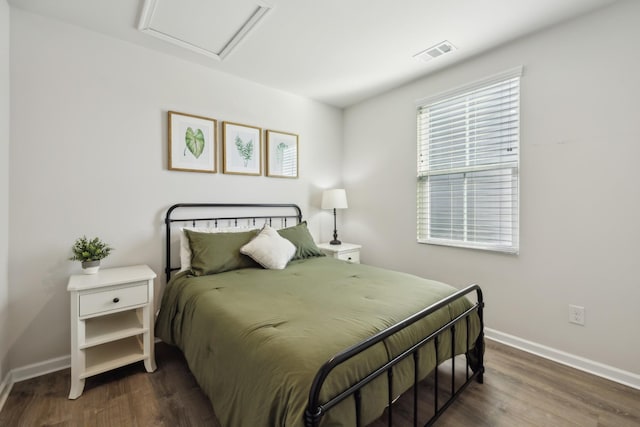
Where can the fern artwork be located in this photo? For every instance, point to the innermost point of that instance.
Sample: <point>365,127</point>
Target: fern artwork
<point>242,149</point>
<point>245,149</point>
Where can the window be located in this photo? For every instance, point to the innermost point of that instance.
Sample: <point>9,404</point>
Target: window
<point>468,161</point>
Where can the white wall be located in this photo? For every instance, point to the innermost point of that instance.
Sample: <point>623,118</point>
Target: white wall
<point>4,187</point>
<point>580,204</point>
<point>88,156</point>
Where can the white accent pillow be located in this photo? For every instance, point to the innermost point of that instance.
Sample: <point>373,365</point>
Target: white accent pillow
<point>185,249</point>
<point>269,249</point>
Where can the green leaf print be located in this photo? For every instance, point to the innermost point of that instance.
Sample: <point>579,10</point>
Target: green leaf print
<point>194,142</point>
<point>245,150</point>
<point>280,149</point>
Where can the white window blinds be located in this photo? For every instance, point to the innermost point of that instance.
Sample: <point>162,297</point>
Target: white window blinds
<point>468,161</point>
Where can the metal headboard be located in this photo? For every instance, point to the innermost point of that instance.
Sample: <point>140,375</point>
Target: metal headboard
<point>261,218</point>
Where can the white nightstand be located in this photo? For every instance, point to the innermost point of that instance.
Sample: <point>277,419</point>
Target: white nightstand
<point>111,322</point>
<point>345,251</point>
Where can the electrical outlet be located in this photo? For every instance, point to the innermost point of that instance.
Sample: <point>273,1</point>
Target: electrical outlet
<point>576,314</point>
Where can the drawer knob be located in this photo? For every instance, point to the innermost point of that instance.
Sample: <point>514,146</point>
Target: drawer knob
<point>116,299</point>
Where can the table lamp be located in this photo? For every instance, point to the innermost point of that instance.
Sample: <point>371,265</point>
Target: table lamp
<point>334,199</point>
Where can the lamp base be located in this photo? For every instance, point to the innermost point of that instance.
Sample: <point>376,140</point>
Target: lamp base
<point>335,240</point>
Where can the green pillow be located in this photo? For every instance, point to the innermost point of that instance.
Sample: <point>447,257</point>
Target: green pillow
<point>218,252</point>
<point>305,246</point>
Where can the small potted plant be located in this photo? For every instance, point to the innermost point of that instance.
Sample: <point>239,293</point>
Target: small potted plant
<point>90,252</point>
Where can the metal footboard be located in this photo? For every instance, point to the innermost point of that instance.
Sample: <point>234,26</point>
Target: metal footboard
<point>316,409</point>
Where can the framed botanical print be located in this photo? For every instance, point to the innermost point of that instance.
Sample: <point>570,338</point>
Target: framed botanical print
<point>282,154</point>
<point>192,143</point>
<point>241,149</point>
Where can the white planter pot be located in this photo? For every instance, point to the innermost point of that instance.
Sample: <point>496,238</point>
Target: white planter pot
<point>90,267</point>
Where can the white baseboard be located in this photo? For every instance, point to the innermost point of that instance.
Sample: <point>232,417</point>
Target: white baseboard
<point>41,368</point>
<point>605,371</point>
<point>31,371</point>
<point>5,389</point>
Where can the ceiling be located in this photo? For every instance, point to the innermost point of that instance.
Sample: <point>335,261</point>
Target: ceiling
<point>335,51</point>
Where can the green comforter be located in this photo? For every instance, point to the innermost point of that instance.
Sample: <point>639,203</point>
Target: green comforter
<point>254,338</point>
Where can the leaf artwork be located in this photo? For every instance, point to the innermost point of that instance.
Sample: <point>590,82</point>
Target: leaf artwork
<point>245,150</point>
<point>280,148</point>
<point>194,142</point>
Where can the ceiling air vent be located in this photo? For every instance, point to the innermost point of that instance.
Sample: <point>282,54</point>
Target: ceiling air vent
<point>435,51</point>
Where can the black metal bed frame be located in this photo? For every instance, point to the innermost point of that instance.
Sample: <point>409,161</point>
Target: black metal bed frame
<point>316,408</point>
<point>474,361</point>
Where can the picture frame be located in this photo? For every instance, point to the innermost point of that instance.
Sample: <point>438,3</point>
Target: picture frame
<point>241,149</point>
<point>193,143</point>
<point>282,154</point>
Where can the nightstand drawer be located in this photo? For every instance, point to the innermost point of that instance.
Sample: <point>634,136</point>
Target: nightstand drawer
<point>113,299</point>
<point>352,256</point>
<point>345,251</point>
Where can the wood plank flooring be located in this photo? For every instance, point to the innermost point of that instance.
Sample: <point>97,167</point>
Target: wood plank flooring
<point>519,390</point>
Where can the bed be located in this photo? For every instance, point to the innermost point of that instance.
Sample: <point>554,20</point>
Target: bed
<point>320,342</point>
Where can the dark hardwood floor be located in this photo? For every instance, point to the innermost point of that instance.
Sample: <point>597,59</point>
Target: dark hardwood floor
<point>519,390</point>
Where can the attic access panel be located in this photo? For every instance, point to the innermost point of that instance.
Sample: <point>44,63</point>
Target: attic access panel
<point>210,27</point>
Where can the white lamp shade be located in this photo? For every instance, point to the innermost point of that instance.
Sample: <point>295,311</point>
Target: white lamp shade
<point>334,199</point>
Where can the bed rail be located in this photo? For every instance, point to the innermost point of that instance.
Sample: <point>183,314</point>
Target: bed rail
<point>263,217</point>
<point>474,360</point>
